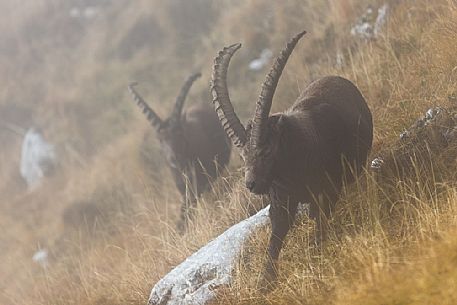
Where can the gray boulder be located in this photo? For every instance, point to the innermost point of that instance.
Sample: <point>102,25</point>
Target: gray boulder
<point>197,279</point>
<point>37,158</point>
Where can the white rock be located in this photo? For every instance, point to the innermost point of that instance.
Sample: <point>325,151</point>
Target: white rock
<point>37,158</point>
<point>376,163</point>
<point>196,280</point>
<point>74,12</point>
<point>258,63</point>
<point>91,12</point>
<point>88,12</point>
<point>41,257</point>
<point>363,30</point>
<point>432,112</point>
<point>381,19</point>
<point>404,135</point>
<point>367,26</point>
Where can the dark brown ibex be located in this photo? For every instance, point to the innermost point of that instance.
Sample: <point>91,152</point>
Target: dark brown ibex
<point>299,155</point>
<point>193,143</point>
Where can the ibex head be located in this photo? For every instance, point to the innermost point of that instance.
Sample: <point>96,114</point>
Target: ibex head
<point>169,131</point>
<point>260,140</point>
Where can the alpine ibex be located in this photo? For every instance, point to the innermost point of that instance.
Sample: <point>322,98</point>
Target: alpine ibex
<point>193,143</point>
<point>301,155</point>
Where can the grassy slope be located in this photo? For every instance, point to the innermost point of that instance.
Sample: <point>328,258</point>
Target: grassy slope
<point>382,251</point>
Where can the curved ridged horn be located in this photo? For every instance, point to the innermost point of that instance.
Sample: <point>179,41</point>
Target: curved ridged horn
<point>152,117</point>
<point>176,114</point>
<point>221,99</point>
<point>263,106</point>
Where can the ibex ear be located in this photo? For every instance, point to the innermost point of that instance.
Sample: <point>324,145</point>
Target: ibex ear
<point>277,122</point>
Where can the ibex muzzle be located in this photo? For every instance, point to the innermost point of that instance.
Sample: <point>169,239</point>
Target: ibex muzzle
<point>193,142</point>
<point>302,154</point>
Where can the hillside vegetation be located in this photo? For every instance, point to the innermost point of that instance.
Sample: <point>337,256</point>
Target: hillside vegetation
<point>107,216</point>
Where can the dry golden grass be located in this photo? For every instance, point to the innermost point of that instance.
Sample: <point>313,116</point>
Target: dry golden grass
<point>389,244</point>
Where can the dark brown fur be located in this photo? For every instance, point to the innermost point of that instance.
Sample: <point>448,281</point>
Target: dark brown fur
<point>301,155</point>
<point>199,149</point>
<point>328,127</point>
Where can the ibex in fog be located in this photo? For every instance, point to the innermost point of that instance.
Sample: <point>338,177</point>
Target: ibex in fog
<point>301,155</point>
<point>193,143</point>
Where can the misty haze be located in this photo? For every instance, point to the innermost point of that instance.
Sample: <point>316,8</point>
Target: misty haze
<point>134,138</point>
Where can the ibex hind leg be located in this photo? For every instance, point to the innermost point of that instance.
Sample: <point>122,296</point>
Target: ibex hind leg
<point>185,215</point>
<point>320,211</point>
<point>194,183</point>
<point>282,216</point>
<point>189,202</point>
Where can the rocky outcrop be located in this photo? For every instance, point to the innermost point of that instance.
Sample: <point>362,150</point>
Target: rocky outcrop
<point>430,139</point>
<point>38,158</point>
<point>197,279</point>
<point>369,25</point>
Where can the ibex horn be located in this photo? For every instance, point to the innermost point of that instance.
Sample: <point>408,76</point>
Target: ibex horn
<point>263,106</point>
<point>221,99</point>
<point>176,114</point>
<point>152,117</point>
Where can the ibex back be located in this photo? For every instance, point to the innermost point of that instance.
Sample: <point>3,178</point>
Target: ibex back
<point>302,155</point>
<point>193,143</point>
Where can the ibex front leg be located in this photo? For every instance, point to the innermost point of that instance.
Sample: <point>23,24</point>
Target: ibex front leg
<point>282,216</point>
